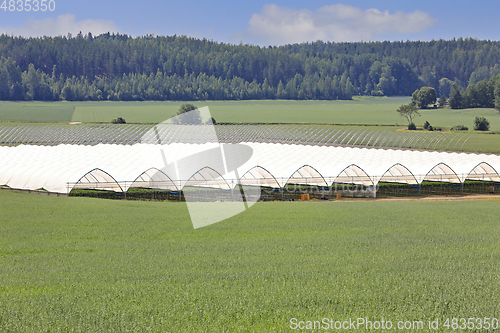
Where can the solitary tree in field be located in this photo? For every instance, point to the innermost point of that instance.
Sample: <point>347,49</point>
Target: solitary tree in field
<point>423,97</point>
<point>409,111</point>
<point>186,107</point>
<point>188,114</point>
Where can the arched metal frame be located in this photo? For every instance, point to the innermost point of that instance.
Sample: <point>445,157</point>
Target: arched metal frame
<point>313,182</point>
<point>395,178</point>
<point>136,181</point>
<point>97,183</point>
<point>485,173</point>
<point>207,182</point>
<point>439,176</point>
<point>249,183</point>
<point>349,179</point>
<point>165,133</point>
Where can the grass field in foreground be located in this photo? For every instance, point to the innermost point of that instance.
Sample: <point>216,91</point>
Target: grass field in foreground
<point>89,265</point>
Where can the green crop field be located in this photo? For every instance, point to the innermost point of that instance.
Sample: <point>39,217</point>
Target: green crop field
<point>36,112</point>
<point>365,110</point>
<point>90,265</point>
<point>133,112</point>
<point>361,110</point>
<point>374,111</point>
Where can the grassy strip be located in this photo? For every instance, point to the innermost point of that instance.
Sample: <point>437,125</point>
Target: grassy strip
<point>36,112</point>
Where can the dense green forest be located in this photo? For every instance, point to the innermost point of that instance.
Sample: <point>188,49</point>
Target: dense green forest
<point>119,67</point>
<point>483,94</point>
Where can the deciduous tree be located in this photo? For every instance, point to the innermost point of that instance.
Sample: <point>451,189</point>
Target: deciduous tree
<point>188,114</point>
<point>408,111</point>
<point>423,97</point>
<point>442,101</point>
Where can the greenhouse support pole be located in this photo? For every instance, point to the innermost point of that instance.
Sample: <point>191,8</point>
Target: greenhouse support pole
<point>352,183</point>
<point>441,186</point>
<point>374,187</point>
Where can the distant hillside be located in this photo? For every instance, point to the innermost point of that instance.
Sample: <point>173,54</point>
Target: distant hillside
<point>118,67</point>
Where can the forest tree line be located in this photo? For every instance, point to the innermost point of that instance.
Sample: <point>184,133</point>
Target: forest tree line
<point>484,94</point>
<point>119,67</point>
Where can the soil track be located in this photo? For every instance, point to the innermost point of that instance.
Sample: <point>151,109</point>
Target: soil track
<point>470,197</point>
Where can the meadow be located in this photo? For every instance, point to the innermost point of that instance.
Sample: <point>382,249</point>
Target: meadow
<point>35,112</point>
<point>360,111</point>
<point>90,265</point>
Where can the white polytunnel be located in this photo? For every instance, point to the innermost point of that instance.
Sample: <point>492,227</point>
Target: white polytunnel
<point>307,175</point>
<point>154,179</point>
<point>353,174</point>
<point>397,174</point>
<point>173,166</point>
<point>484,171</point>
<point>442,173</point>
<point>207,177</point>
<point>258,176</point>
<point>98,179</point>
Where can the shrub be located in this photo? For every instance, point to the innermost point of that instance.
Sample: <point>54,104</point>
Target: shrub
<point>459,128</point>
<point>428,126</point>
<point>118,120</point>
<point>481,124</point>
<point>211,121</point>
<point>412,127</point>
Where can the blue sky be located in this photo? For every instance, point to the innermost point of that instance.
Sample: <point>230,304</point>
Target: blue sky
<point>264,22</point>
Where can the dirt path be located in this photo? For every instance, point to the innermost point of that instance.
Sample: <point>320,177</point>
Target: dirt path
<point>470,197</point>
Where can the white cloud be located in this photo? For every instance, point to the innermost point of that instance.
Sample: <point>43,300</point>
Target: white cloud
<point>281,25</point>
<point>60,27</point>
